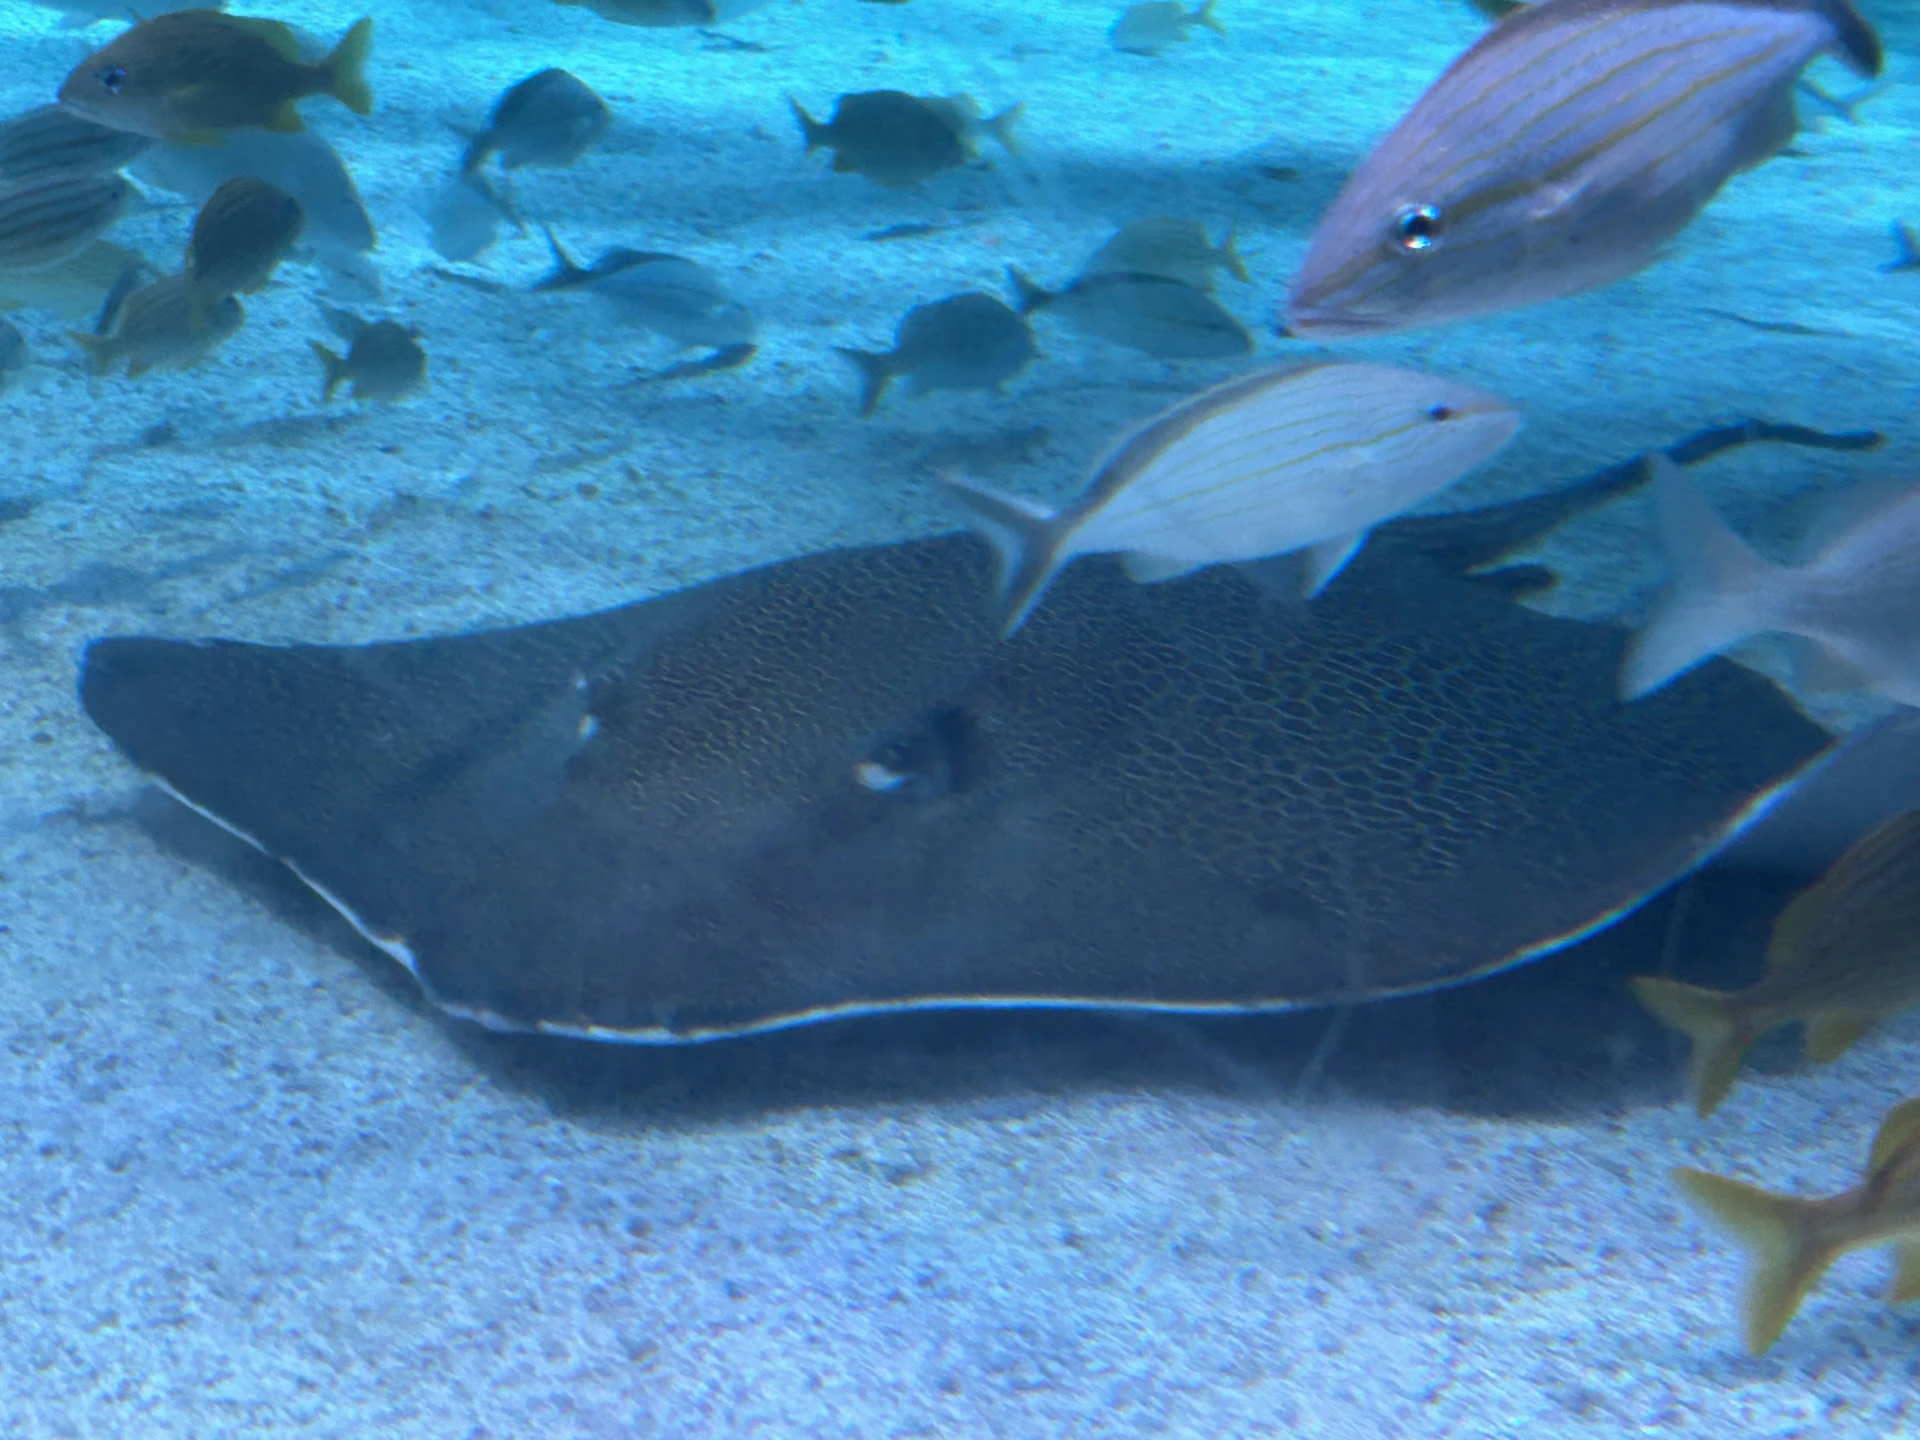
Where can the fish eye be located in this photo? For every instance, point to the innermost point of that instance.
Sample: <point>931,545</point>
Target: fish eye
<point>1416,228</point>
<point>1440,412</point>
<point>114,77</point>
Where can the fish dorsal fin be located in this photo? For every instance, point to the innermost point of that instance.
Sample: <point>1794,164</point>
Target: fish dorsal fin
<point>1898,1134</point>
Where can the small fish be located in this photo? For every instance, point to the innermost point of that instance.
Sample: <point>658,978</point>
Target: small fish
<point>47,221</point>
<point>384,360</point>
<point>1153,25</point>
<point>1794,1240</point>
<point>162,326</point>
<point>1174,248</point>
<point>660,14</point>
<point>898,140</point>
<point>1560,153</point>
<point>53,139</point>
<point>1844,953</point>
<point>1858,599</point>
<point>1304,458</point>
<point>240,237</point>
<point>550,119</point>
<point>1909,257</point>
<point>1153,314</point>
<point>966,342</point>
<point>13,353</point>
<point>195,74</point>
<point>667,294</point>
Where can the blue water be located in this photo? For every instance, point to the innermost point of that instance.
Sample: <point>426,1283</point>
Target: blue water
<point>252,1183</point>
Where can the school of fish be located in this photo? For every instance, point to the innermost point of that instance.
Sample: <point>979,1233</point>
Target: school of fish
<point>1562,152</point>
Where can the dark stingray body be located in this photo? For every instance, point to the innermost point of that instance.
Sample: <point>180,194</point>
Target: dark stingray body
<point>826,787</point>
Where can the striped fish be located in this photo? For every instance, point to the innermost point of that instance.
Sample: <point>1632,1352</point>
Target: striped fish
<point>1304,458</point>
<point>47,221</point>
<point>1560,153</point>
<point>53,138</point>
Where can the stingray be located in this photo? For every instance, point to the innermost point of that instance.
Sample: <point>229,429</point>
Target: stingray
<point>826,787</point>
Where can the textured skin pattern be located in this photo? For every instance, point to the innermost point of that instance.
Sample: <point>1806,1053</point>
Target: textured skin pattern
<point>1188,794</point>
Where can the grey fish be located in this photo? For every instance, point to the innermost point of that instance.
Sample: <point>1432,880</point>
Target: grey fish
<point>384,360</point>
<point>163,325</point>
<point>46,221</point>
<point>1175,248</point>
<point>241,235</point>
<point>965,342</point>
<point>898,140</point>
<point>661,14</point>
<point>1858,599</point>
<point>1560,153</point>
<point>1154,314</point>
<point>827,788</point>
<point>549,119</point>
<point>667,294</point>
<point>52,138</point>
<point>1153,25</point>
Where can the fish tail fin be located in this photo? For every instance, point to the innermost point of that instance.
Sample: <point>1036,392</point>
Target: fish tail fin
<point>1715,598</point>
<point>811,130</point>
<point>346,67</point>
<point>1025,537</point>
<point>479,149</point>
<point>564,271</point>
<point>876,373</point>
<point>1002,127</point>
<point>1205,16</point>
<point>99,350</point>
<point>1229,254</point>
<point>1785,1263</point>
<point>1720,1037</point>
<point>334,364</point>
<point>1029,296</point>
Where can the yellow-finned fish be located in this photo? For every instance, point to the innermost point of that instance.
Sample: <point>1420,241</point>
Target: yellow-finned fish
<point>1794,1240</point>
<point>193,74</point>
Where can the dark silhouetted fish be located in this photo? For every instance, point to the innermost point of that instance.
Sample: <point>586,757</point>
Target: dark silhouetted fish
<point>1560,153</point>
<point>898,140</point>
<point>240,236</point>
<point>662,14</point>
<point>549,119</point>
<point>965,342</point>
<point>384,360</point>
<point>827,787</point>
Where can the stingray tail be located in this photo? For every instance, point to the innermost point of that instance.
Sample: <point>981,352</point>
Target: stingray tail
<point>1721,1036</point>
<point>1785,1261</point>
<point>1025,537</point>
<point>1719,593</point>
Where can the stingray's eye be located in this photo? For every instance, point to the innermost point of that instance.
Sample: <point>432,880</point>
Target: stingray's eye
<point>926,763</point>
<point>1416,228</point>
<point>1440,412</point>
<point>113,78</point>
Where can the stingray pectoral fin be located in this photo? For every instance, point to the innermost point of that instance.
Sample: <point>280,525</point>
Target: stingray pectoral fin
<point>1328,559</point>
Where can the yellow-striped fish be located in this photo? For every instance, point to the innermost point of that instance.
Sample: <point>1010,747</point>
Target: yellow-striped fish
<point>1844,954</point>
<point>1559,154</point>
<point>1794,1240</point>
<point>1304,458</point>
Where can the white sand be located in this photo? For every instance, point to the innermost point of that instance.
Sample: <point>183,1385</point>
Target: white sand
<point>252,1186</point>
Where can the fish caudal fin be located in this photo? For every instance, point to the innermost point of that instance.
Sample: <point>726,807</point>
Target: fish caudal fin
<point>1228,254</point>
<point>346,67</point>
<point>1784,1264</point>
<point>1024,536</point>
<point>99,350</point>
<point>1028,296</point>
<point>1715,598</point>
<point>1205,16</point>
<point>811,130</point>
<point>1001,127</point>
<point>876,373</point>
<point>1720,1041</point>
<point>335,366</point>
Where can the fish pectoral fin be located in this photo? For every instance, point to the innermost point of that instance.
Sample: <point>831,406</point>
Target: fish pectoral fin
<point>1831,1035</point>
<point>1145,569</point>
<point>1328,559</point>
<point>285,119</point>
<point>1906,1273</point>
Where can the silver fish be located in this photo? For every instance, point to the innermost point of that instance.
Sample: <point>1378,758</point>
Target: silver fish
<point>667,294</point>
<point>1154,314</point>
<point>1300,458</point>
<point>1170,246</point>
<point>1560,153</point>
<point>53,138</point>
<point>53,219</point>
<point>1857,599</point>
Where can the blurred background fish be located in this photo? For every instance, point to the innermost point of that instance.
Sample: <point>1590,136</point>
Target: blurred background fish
<point>898,140</point>
<point>668,13</point>
<point>1154,314</point>
<point>1172,247</point>
<point>1560,153</point>
<point>549,119</point>
<point>965,342</point>
<point>668,294</point>
<point>1153,25</point>
<point>384,360</point>
<point>1301,458</point>
<point>161,326</point>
